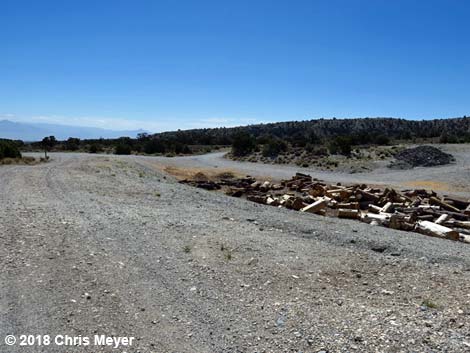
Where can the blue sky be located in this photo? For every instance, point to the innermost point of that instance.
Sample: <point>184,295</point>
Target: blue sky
<point>162,65</point>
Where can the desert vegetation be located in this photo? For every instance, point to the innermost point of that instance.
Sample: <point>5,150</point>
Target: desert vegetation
<point>10,153</point>
<point>9,149</point>
<point>296,142</point>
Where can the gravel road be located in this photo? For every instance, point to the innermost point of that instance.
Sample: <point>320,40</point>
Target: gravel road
<point>453,178</point>
<point>110,245</point>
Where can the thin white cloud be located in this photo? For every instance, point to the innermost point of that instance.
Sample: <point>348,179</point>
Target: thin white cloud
<point>7,116</point>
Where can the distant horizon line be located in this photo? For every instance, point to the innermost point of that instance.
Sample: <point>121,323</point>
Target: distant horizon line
<point>12,119</point>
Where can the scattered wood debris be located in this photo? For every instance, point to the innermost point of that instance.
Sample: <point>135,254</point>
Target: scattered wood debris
<point>410,210</point>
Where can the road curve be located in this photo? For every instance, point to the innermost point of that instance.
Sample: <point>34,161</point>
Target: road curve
<point>107,245</point>
<point>452,178</point>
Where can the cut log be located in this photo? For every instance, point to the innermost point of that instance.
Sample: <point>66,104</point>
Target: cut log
<point>302,176</point>
<point>465,238</point>
<point>349,205</point>
<point>317,190</point>
<point>436,230</point>
<point>315,207</point>
<point>272,202</point>
<point>348,213</point>
<point>435,201</point>
<point>429,207</point>
<point>265,186</point>
<point>467,211</point>
<point>458,224</point>
<point>426,217</point>
<point>416,202</point>
<point>407,226</point>
<point>396,222</point>
<point>442,218</point>
<point>339,194</point>
<point>387,207</point>
<point>458,202</point>
<point>375,209</point>
<point>380,218</point>
<point>286,197</point>
<point>297,204</point>
<point>437,213</point>
<point>366,196</point>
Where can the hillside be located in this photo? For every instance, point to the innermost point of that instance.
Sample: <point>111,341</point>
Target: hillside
<point>321,129</point>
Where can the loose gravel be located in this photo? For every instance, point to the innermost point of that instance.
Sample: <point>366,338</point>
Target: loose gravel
<point>109,245</point>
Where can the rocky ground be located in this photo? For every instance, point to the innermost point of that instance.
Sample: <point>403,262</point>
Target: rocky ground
<point>423,156</point>
<point>110,245</point>
<point>451,178</point>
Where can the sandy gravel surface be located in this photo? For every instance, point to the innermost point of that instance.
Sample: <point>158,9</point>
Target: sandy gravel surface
<point>453,178</point>
<point>108,245</point>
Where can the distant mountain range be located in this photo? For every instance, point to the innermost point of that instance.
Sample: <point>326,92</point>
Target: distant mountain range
<point>37,131</point>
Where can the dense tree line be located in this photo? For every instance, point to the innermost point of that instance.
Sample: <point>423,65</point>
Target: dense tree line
<point>144,143</point>
<point>320,131</point>
<point>338,135</point>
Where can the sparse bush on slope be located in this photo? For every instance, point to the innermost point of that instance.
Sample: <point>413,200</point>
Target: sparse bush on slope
<point>8,149</point>
<point>243,144</point>
<point>122,149</point>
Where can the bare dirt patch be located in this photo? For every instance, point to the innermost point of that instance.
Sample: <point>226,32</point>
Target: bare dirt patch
<point>200,174</point>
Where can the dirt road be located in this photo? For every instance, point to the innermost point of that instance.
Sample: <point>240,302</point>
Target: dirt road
<point>110,246</point>
<point>453,178</point>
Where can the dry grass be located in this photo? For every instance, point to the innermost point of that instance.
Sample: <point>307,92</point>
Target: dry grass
<point>200,173</point>
<point>21,161</point>
<point>429,184</point>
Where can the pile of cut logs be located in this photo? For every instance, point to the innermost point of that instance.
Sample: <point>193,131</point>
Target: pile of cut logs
<point>410,210</point>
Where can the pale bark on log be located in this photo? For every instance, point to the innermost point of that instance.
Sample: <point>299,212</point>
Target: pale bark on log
<point>437,230</point>
<point>442,218</point>
<point>315,207</point>
<point>375,209</point>
<point>387,207</point>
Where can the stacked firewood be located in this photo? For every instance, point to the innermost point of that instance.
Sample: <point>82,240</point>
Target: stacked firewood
<point>410,210</point>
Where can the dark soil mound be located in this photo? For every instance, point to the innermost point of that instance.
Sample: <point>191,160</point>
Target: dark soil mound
<point>424,156</point>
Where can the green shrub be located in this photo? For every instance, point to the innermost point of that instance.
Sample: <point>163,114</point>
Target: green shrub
<point>273,147</point>
<point>243,144</point>
<point>122,149</point>
<point>94,149</point>
<point>72,144</point>
<point>341,145</point>
<point>8,149</point>
<point>446,138</point>
<point>154,145</point>
<point>382,140</point>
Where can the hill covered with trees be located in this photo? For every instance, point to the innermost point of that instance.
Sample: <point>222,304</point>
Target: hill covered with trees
<point>363,131</point>
<point>320,136</point>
